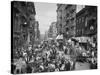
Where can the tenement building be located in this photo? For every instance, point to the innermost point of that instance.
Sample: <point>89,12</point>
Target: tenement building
<point>52,32</point>
<point>23,17</point>
<point>37,31</point>
<point>70,21</point>
<point>86,24</point>
<point>66,20</point>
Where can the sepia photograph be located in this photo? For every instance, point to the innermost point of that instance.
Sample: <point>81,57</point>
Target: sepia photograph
<point>53,37</point>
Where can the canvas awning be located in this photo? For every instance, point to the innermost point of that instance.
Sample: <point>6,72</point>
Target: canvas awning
<point>82,39</point>
<point>59,37</point>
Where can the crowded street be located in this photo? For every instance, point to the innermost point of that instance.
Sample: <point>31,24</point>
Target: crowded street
<point>50,56</point>
<point>63,39</point>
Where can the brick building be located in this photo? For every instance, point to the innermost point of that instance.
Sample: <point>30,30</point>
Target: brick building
<point>86,24</point>
<point>70,21</point>
<point>52,32</point>
<point>59,18</point>
<point>23,17</point>
<point>37,31</point>
<point>66,20</point>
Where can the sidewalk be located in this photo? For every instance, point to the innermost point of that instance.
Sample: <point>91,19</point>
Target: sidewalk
<point>82,66</point>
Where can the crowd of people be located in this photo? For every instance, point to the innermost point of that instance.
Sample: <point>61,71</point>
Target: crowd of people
<point>49,56</point>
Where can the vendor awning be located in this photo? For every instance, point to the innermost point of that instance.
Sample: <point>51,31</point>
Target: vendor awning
<point>82,39</point>
<point>59,37</point>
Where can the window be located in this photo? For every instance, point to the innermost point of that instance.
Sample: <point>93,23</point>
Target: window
<point>72,11</point>
<point>67,21</point>
<point>60,17</point>
<point>82,19</point>
<point>77,32</point>
<point>60,25</point>
<point>72,19</point>
<point>82,31</point>
<point>67,29</point>
<point>86,22</point>
<point>91,27</point>
<point>67,14</point>
<point>23,3</point>
<point>72,27</point>
<point>77,20</point>
<point>24,36</point>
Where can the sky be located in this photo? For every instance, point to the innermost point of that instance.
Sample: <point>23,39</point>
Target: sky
<point>79,7</point>
<point>45,14</point>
